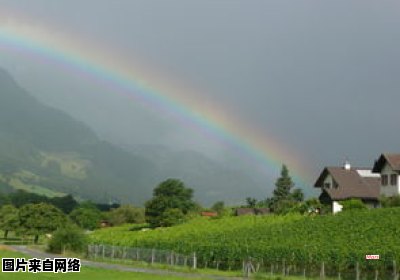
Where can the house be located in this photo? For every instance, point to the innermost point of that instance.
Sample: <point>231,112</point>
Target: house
<point>252,211</point>
<point>388,168</point>
<point>343,183</point>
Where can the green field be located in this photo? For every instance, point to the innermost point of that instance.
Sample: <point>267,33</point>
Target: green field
<point>340,241</point>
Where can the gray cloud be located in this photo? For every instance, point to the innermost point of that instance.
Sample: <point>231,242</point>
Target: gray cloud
<point>321,77</point>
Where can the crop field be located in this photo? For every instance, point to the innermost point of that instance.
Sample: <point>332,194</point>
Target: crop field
<point>339,242</point>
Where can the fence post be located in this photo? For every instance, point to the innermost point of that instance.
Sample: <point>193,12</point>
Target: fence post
<point>103,252</point>
<point>272,269</point>
<point>95,251</point>
<point>395,273</point>
<point>152,256</point>
<point>357,271</point>
<point>194,264</point>
<point>322,273</point>
<point>283,268</point>
<point>124,253</point>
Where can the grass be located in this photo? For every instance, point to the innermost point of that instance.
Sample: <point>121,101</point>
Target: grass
<point>86,273</point>
<point>184,269</point>
<point>98,273</point>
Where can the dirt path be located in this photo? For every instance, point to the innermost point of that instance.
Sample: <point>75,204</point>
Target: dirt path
<point>43,255</point>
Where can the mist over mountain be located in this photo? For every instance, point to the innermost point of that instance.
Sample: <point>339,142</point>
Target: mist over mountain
<point>46,151</point>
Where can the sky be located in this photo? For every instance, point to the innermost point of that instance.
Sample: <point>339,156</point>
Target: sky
<point>320,79</point>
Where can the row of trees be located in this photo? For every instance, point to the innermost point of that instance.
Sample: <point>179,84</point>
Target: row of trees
<point>35,217</point>
<point>172,203</point>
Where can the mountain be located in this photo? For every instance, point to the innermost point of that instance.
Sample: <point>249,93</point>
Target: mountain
<point>210,179</point>
<point>46,151</point>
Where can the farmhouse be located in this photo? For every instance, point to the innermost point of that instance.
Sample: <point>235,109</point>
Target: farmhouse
<point>342,183</point>
<point>388,168</point>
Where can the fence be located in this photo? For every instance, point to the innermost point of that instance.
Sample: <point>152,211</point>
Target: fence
<point>151,256</point>
<point>248,266</point>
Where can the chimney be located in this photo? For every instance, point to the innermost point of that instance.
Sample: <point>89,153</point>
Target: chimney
<point>347,165</point>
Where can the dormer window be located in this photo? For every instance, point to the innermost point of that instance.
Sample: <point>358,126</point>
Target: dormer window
<point>393,179</point>
<point>384,180</point>
<point>327,185</point>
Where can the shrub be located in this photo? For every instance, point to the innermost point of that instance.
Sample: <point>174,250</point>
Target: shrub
<point>393,201</point>
<point>69,238</point>
<point>352,204</point>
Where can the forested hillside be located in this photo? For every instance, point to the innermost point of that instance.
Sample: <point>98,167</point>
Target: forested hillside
<point>43,150</point>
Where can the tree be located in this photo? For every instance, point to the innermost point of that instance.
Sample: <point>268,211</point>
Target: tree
<point>218,207</point>
<point>283,199</point>
<point>251,202</point>
<point>9,220</point>
<point>126,214</point>
<point>170,194</point>
<point>37,219</point>
<point>297,195</point>
<point>86,216</point>
<point>65,203</point>
<point>68,237</point>
<point>4,199</point>
<point>171,217</point>
<point>283,184</point>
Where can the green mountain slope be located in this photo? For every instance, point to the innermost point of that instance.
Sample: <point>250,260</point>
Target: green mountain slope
<point>46,151</point>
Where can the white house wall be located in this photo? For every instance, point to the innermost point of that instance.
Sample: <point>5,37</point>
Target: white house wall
<point>336,207</point>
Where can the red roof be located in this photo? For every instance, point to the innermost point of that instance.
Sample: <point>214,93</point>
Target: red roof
<point>209,214</point>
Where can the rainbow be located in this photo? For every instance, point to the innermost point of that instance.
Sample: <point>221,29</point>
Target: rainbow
<point>74,56</point>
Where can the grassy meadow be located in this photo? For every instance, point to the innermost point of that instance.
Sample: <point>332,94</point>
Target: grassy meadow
<point>86,273</point>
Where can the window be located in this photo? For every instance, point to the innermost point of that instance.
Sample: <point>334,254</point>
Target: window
<point>393,179</point>
<point>384,180</point>
<point>327,185</point>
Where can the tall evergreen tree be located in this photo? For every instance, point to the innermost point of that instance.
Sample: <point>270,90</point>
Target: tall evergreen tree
<point>283,185</point>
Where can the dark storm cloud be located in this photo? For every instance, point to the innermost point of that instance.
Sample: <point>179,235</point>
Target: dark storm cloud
<point>321,76</point>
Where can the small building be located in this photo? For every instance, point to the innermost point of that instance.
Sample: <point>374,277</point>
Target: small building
<point>252,211</point>
<point>388,168</point>
<point>208,214</point>
<point>343,183</point>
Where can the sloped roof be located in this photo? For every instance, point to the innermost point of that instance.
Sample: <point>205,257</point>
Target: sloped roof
<point>392,159</point>
<point>245,211</point>
<point>350,184</point>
